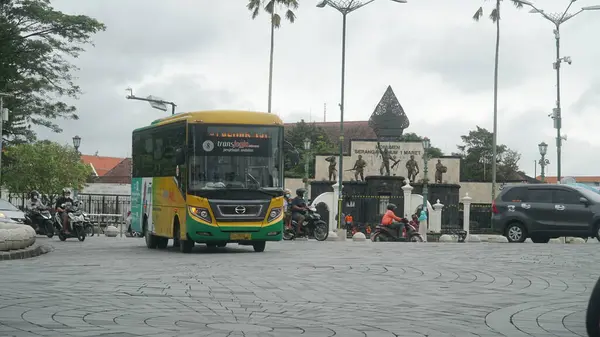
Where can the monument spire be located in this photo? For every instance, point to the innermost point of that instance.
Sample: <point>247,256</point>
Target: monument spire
<point>389,120</point>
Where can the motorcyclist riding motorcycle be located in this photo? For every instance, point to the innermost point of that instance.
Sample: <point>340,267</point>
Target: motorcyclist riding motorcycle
<point>35,201</point>
<point>66,197</point>
<point>390,219</point>
<point>299,207</point>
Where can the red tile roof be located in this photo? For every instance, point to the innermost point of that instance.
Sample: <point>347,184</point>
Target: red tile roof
<point>101,165</point>
<point>120,174</point>
<point>584,179</point>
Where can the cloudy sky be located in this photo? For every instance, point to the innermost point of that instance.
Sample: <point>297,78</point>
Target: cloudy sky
<point>210,55</point>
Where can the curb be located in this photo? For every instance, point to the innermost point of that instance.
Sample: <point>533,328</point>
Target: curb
<point>32,251</point>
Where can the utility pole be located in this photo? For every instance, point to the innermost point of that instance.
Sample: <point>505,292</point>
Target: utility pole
<point>557,20</point>
<point>3,118</point>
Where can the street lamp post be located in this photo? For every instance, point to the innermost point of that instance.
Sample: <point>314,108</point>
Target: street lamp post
<point>426,146</point>
<point>76,144</point>
<point>345,7</point>
<point>543,147</point>
<point>558,19</point>
<point>306,160</point>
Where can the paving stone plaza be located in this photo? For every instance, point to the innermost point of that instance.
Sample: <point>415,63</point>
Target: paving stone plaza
<point>117,287</point>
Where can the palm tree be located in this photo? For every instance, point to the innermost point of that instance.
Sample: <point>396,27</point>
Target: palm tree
<point>495,17</point>
<point>270,6</point>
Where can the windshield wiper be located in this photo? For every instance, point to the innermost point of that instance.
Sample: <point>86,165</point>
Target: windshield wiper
<point>255,180</point>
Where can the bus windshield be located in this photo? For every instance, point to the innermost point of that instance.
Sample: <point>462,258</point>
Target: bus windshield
<point>240,156</point>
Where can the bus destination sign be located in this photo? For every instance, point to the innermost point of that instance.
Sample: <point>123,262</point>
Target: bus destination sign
<point>227,146</point>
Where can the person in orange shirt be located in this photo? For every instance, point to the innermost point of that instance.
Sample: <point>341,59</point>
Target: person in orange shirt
<point>390,219</point>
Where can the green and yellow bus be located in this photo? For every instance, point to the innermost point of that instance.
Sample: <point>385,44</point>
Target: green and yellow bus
<point>211,177</point>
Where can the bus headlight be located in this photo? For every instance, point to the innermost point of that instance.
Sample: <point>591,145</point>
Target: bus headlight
<point>274,214</point>
<point>202,213</point>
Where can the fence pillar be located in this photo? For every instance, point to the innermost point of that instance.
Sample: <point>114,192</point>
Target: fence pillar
<point>436,218</point>
<point>407,190</point>
<point>340,233</point>
<point>466,213</point>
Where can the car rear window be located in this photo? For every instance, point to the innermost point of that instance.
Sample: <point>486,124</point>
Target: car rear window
<point>515,194</point>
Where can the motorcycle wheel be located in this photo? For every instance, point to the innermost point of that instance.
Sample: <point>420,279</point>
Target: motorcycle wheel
<point>321,231</point>
<point>49,229</point>
<point>80,232</point>
<point>89,229</point>
<point>378,237</point>
<point>416,238</point>
<point>289,234</point>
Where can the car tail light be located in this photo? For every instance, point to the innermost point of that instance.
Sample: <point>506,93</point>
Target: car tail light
<point>494,208</point>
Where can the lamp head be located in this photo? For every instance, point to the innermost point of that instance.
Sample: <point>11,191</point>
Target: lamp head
<point>426,143</point>
<point>591,8</point>
<point>307,144</point>
<point>543,147</point>
<point>76,141</point>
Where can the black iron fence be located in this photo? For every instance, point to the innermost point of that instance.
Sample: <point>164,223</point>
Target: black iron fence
<point>99,204</point>
<point>480,218</point>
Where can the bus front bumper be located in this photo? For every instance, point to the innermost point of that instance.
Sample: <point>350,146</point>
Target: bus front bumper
<point>202,233</point>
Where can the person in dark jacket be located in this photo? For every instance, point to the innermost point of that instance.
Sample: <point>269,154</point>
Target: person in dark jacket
<point>66,197</point>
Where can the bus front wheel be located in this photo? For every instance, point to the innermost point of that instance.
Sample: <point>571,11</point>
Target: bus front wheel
<point>259,247</point>
<point>186,246</point>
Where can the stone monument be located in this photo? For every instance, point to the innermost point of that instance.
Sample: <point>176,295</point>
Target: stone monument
<point>389,120</point>
<point>332,170</point>
<point>359,169</point>
<point>440,169</point>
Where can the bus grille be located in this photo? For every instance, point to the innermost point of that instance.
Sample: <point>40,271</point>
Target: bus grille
<point>239,210</point>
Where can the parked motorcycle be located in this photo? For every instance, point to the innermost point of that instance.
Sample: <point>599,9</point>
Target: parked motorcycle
<point>40,220</point>
<point>408,233</point>
<point>77,221</point>
<point>313,226</point>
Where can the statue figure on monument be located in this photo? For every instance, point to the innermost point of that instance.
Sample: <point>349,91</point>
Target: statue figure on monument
<point>384,169</point>
<point>440,169</point>
<point>332,168</point>
<point>359,168</point>
<point>412,169</point>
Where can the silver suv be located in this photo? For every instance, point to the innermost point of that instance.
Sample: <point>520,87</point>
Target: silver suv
<point>543,211</point>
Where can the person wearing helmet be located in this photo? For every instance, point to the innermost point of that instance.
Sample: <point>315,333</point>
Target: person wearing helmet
<point>66,197</point>
<point>35,201</point>
<point>287,199</point>
<point>299,207</point>
<point>390,219</point>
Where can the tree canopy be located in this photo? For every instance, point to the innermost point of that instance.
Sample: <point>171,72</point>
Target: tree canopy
<point>37,46</point>
<point>434,152</point>
<point>270,6</point>
<point>494,13</point>
<point>44,166</point>
<point>320,144</point>
<point>476,158</point>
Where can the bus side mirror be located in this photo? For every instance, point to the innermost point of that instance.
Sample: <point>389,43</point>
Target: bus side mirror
<point>179,156</point>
